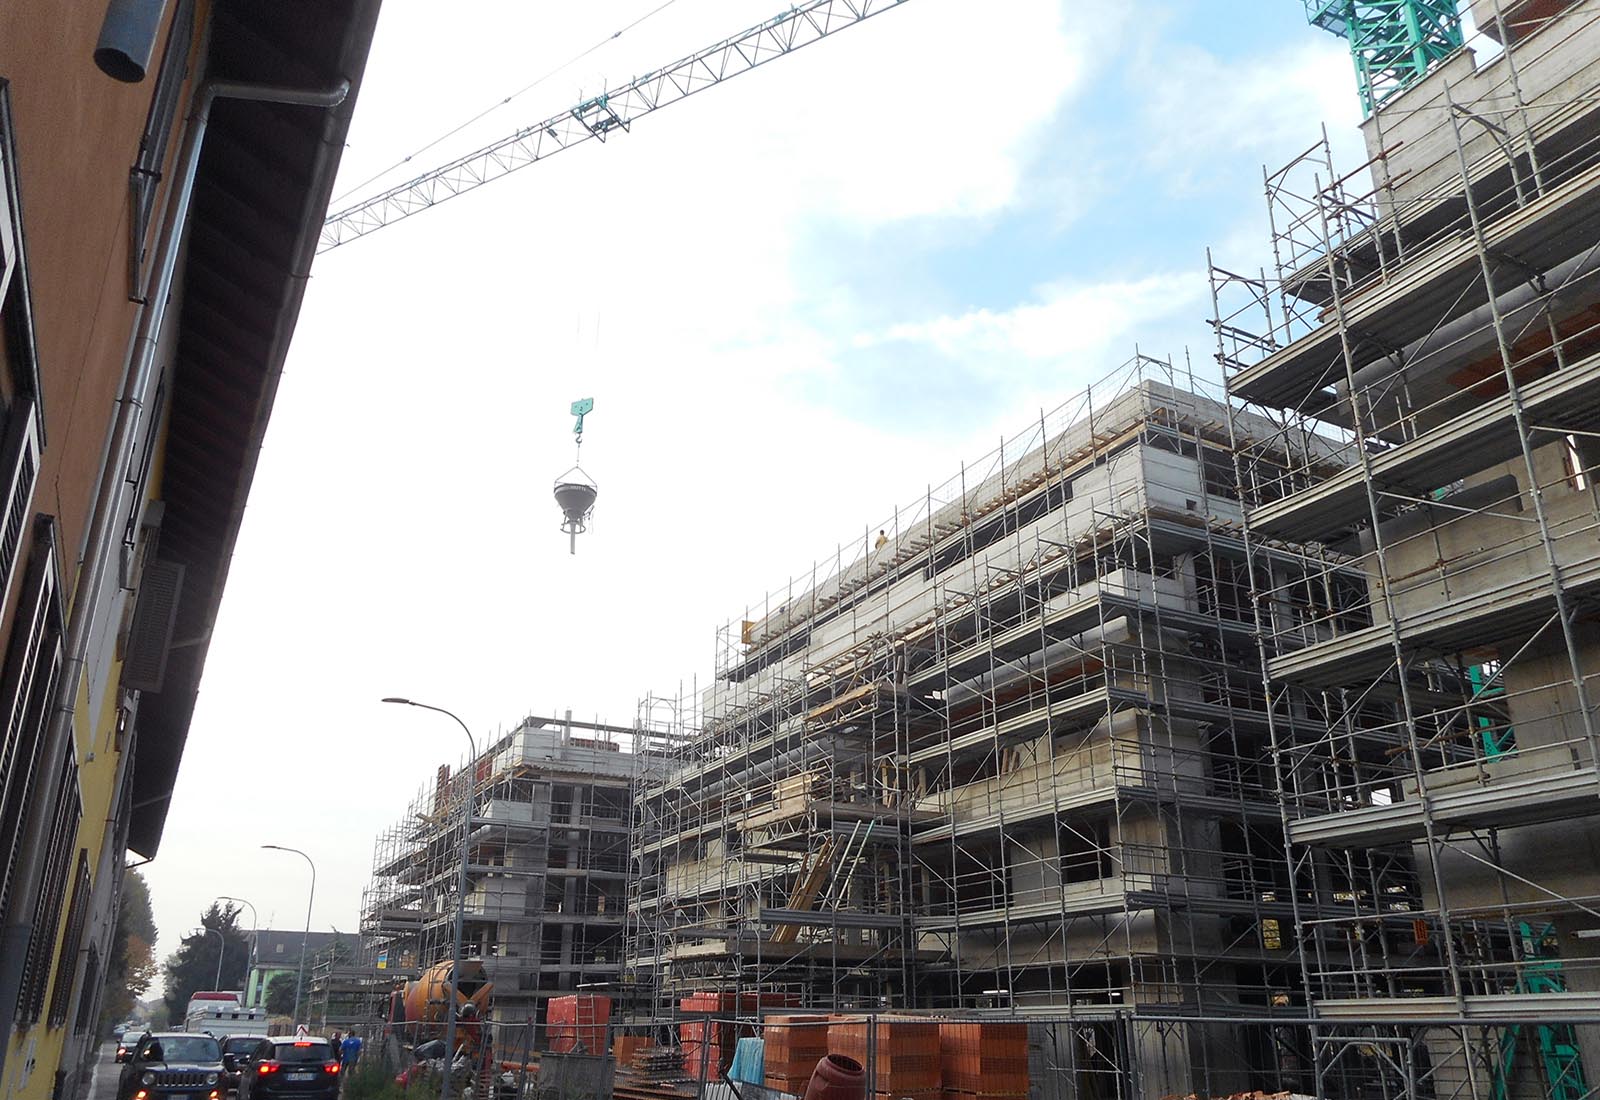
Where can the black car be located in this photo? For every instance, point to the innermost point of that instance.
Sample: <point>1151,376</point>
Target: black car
<point>235,1053</point>
<point>172,1065</point>
<point>286,1068</point>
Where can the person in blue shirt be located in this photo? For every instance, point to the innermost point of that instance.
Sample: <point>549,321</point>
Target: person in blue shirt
<point>350,1051</point>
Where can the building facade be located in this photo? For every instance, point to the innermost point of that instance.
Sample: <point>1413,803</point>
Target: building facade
<point>164,169</point>
<point>1013,760</point>
<point>546,865</point>
<point>1443,328</point>
<point>273,953</point>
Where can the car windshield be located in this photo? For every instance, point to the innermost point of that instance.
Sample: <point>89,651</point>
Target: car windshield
<point>304,1051</point>
<point>240,1044</point>
<point>181,1048</point>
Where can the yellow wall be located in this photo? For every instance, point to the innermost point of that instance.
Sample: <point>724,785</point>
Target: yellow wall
<point>94,740</point>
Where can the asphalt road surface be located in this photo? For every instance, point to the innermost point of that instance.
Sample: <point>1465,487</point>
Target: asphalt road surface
<point>103,1078</point>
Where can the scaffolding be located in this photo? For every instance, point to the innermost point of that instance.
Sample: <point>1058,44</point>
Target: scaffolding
<point>1433,656</point>
<point>1011,756</point>
<point>547,867</point>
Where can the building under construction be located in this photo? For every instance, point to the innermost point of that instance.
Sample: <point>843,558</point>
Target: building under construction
<point>1434,727</point>
<point>1012,756</point>
<point>547,863</point>
<point>1241,741</point>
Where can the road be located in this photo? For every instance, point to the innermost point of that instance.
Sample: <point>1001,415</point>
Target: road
<point>103,1078</point>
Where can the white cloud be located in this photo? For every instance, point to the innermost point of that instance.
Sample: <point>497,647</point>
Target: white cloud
<point>1064,321</point>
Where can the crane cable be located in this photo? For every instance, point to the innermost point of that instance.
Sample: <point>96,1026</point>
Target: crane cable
<point>403,161</point>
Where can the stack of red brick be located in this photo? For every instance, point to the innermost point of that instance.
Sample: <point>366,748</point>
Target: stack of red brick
<point>708,1041</point>
<point>906,1062</point>
<point>578,1022</point>
<point>983,1059</point>
<point>794,1046</point>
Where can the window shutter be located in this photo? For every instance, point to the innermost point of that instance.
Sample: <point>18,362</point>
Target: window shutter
<point>27,682</point>
<point>16,306</point>
<point>144,667</point>
<point>67,963</point>
<point>91,987</point>
<point>21,474</point>
<point>47,913</point>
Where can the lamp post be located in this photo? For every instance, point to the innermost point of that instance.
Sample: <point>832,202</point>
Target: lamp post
<point>255,931</point>
<point>222,945</point>
<point>461,891</point>
<point>300,977</point>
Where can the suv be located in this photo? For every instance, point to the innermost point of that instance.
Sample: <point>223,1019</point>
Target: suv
<point>236,1051</point>
<point>282,1067</point>
<point>172,1065</point>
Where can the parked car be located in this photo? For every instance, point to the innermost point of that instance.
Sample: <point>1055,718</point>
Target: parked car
<point>235,1053</point>
<point>284,1067</point>
<point>172,1065</point>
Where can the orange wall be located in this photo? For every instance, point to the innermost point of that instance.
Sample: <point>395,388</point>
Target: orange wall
<point>77,134</point>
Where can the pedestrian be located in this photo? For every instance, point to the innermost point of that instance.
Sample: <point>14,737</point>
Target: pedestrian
<point>883,540</point>
<point>333,1041</point>
<point>351,1050</point>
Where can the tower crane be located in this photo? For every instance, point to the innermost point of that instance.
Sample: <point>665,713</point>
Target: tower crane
<point>602,115</point>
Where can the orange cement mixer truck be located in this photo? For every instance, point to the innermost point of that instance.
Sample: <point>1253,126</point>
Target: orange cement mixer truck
<point>417,1008</point>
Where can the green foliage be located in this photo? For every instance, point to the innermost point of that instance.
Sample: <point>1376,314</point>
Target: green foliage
<point>193,966</point>
<point>131,966</point>
<point>371,1080</point>
<point>280,995</point>
<point>340,951</point>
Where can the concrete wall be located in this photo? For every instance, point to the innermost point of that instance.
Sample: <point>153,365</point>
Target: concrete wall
<point>1556,66</point>
<point>1442,555</point>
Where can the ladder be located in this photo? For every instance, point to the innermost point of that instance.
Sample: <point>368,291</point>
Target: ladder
<point>853,851</point>
<point>807,884</point>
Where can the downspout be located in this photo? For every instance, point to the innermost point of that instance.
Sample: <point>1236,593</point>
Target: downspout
<point>105,523</point>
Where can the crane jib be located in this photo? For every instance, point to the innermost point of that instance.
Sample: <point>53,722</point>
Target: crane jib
<point>598,116</point>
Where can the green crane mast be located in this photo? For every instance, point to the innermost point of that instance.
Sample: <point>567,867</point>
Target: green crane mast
<point>1393,42</point>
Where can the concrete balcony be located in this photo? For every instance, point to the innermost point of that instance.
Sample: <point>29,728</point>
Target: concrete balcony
<point>1466,444</point>
<point>1521,788</point>
<point>1437,285</point>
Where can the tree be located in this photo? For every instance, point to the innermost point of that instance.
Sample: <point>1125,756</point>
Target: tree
<point>193,966</point>
<point>132,965</point>
<point>280,995</point>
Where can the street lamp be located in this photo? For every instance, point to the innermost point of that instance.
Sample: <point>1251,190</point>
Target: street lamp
<point>461,891</point>
<point>255,932</point>
<point>300,978</point>
<point>222,945</point>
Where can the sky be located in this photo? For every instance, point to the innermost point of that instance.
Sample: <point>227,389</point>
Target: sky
<point>797,299</point>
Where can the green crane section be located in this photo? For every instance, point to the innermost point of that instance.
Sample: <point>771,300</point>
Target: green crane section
<point>1393,42</point>
<point>1556,1044</point>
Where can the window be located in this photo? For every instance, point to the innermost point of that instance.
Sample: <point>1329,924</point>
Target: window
<point>1577,474</point>
<point>27,681</point>
<point>181,1048</point>
<point>21,424</point>
<point>59,849</point>
<point>1217,468</point>
<point>67,964</point>
<point>303,1051</point>
<point>277,948</point>
<point>1085,851</point>
<point>144,178</point>
<point>91,985</point>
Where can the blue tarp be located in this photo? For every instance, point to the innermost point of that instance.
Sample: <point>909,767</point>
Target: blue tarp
<point>749,1062</point>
